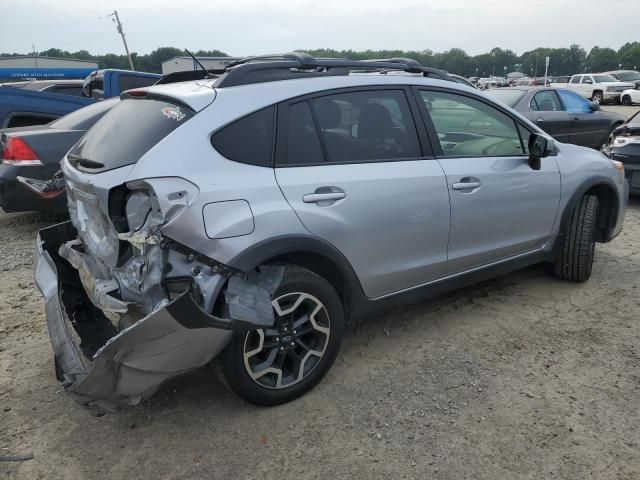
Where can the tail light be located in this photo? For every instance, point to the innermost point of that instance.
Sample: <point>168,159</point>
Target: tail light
<point>17,152</point>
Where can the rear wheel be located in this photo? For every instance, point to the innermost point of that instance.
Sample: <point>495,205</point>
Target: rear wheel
<point>626,100</point>
<point>597,97</point>
<point>275,365</point>
<point>575,259</point>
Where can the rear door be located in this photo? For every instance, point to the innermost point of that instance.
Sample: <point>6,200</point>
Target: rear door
<point>500,207</point>
<point>353,168</point>
<point>588,128</point>
<point>546,110</point>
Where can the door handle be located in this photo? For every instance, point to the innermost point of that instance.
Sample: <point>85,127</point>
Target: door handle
<point>466,185</point>
<point>540,120</point>
<point>324,195</point>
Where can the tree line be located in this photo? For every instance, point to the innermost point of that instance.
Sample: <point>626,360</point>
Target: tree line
<point>498,61</point>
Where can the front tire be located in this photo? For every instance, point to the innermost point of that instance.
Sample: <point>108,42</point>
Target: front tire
<point>575,259</point>
<point>626,100</point>
<point>276,365</point>
<point>597,98</point>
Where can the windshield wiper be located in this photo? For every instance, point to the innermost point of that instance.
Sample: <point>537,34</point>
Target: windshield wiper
<point>84,162</point>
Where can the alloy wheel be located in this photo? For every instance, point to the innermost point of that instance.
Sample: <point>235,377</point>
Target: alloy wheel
<point>286,354</point>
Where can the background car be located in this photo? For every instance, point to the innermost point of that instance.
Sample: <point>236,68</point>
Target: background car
<point>624,146</point>
<point>562,113</point>
<point>559,82</point>
<point>627,76</point>
<point>598,87</point>
<point>31,156</point>
<point>629,97</point>
<point>67,87</point>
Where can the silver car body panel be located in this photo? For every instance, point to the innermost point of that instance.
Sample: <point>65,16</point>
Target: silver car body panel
<point>401,225</point>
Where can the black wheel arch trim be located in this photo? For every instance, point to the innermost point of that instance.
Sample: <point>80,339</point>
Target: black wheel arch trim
<point>575,198</point>
<point>270,249</point>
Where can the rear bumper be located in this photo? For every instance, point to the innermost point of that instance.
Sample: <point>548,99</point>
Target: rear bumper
<point>96,362</point>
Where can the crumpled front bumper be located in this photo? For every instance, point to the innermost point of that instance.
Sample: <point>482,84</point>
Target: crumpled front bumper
<point>95,361</point>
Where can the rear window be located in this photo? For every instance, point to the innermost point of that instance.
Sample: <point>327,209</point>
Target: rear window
<point>127,132</point>
<point>84,118</point>
<point>508,97</point>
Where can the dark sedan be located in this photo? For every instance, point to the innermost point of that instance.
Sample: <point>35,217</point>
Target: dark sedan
<point>31,156</point>
<point>563,114</point>
<point>624,146</point>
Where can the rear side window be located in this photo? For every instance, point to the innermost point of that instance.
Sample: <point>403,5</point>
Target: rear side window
<point>303,143</point>
<point>248,140</point>
<point>128,131</point>
<point>576,79</point>
<point>546,101</point>
<point>366,126</point>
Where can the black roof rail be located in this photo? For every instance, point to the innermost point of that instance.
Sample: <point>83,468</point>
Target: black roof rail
<point>266,68</point>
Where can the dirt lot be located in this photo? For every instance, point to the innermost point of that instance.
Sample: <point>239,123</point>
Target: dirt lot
<point>521,377</point>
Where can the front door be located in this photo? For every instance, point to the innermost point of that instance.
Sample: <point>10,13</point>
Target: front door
<point>351,166</point>
<point>546,111</point>
<point>500,207</point>
<point>588,128</point>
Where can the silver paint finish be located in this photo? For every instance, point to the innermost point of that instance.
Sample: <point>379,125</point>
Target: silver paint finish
<point>392,224</point>
<point>228,219</point>
<point>511,210</point>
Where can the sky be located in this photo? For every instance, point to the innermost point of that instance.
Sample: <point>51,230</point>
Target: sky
<point>250,27</point>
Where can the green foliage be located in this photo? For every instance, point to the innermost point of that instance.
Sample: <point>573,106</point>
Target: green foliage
<point>563,61</point>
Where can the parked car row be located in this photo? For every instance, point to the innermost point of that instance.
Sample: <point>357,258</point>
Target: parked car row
<point>620,86</point>
<point>242,219</point>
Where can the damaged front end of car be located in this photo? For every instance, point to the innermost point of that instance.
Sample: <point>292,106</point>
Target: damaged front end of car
<point>128,307</point>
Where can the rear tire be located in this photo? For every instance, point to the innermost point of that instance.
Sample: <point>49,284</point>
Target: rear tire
<point>575,259</point>
<point>273,366</point>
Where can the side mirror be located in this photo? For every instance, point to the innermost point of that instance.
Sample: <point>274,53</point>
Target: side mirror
<point>593,106</point>
<point>540,146</point>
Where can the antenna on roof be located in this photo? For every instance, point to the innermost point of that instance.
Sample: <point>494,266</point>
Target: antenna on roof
<point>207,74</point>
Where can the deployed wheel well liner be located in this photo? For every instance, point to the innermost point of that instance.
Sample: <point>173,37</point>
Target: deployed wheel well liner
<point>314,254</point>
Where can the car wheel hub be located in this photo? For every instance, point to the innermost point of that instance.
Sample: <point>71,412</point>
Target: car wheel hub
<point>282,356</point>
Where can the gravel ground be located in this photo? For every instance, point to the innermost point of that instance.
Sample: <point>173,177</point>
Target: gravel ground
<point>522,377</point>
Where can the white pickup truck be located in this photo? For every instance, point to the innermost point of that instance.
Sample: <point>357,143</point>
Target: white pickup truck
<point>598,87</point>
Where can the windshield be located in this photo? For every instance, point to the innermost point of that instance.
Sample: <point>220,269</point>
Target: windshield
<point>127,132</point>
<point>628,76</point>
<point>509,97</point>
<point>604,78</point>
<point>85,117</point>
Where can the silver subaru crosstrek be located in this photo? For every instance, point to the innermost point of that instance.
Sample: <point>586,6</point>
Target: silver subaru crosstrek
<point>245,216</point>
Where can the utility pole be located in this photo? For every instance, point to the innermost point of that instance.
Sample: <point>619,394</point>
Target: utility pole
<point>116,20</point>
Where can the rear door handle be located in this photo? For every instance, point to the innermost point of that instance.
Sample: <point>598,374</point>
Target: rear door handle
<point>466,185</point>
<point>324,195</point>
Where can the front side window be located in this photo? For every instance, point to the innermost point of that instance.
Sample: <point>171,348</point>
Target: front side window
<point>546,101</point>
<point>366,126</point>
<point>573,102</point>
<point>467,127</point>
<point>248,140</point>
